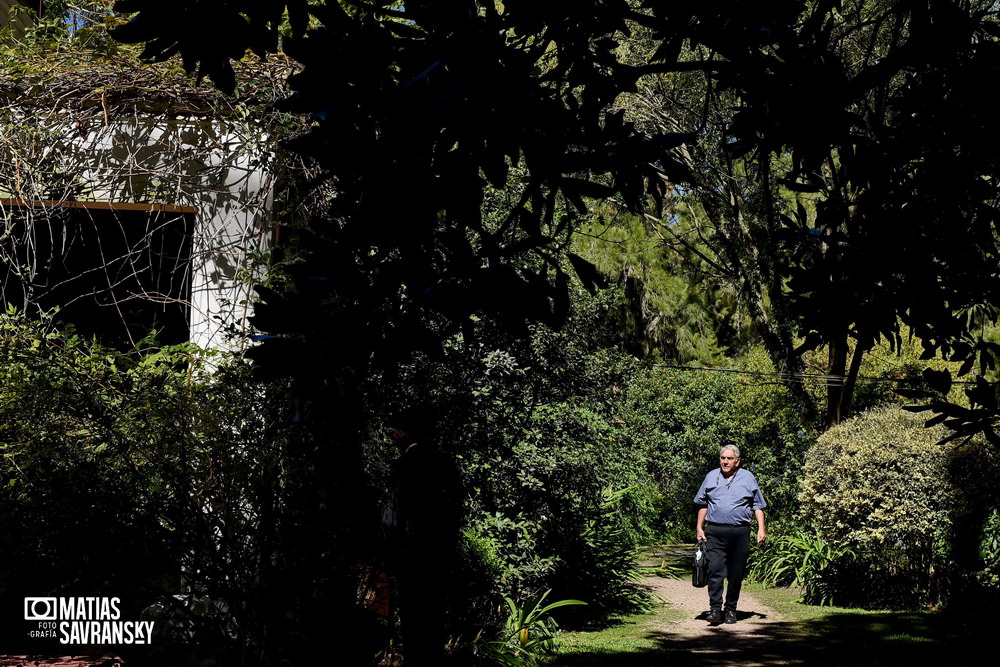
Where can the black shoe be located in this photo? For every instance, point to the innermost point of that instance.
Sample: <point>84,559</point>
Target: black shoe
<point>715,616</point>
<point>730,616</point>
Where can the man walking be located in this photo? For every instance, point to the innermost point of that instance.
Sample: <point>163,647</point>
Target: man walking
<point>727,500</point>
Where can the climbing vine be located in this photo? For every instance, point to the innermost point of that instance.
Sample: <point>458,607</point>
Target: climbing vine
<point>121,180</point>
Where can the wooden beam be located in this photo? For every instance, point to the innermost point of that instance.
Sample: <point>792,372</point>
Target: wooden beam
<point>96,205</point>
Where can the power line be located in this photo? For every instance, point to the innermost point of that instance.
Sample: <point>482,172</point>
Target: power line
<point>826,379</point>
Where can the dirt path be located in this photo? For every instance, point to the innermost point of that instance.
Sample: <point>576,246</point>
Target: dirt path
<point>755,640</point>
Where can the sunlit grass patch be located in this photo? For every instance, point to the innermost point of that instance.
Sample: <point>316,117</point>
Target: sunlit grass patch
<point>628,634</point>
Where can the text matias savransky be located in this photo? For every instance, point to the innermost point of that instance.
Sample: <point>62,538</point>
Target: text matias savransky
<point>84,620</point>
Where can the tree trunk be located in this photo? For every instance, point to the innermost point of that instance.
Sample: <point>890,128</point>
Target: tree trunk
<point>781,349</point>
<point>837,384</point>
<point>864,344</point>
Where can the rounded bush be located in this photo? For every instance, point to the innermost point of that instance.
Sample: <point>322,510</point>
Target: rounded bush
<point>879,481</point>
<point>879,484</point>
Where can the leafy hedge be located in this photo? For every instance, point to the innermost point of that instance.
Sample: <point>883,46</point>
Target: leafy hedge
<point>880,481</point>
<point>144,476</point>
<point>87,439</point>
<point>884,487</point>
<point>555,497</point>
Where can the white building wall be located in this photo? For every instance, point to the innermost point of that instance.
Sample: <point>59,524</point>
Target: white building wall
<point>219,171</point>
<point>232,233</point>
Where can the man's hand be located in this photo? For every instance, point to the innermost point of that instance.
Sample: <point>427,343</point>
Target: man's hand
<point>701,535</point>
<point>761,532</point>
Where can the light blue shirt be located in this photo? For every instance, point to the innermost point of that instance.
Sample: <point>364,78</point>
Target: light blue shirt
<point>732,500</point>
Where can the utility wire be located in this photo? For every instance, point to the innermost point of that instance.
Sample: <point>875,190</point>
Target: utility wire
<point>822,378</point>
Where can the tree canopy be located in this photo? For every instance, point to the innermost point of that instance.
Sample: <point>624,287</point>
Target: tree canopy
<point>417,108</point>
<point>844,170</point>
<point>869,113</point>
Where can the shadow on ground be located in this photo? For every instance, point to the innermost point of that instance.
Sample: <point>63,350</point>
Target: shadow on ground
<point>839,639</point>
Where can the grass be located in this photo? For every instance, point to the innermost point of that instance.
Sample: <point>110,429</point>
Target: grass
<point>626,635</point>
<point>804,634</point>
<point>876,637</point>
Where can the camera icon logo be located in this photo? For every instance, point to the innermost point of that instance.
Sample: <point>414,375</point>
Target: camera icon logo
<point>40,609</point>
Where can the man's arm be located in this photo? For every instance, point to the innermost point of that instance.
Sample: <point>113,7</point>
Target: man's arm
<point>761,531</point>
<point>700,524</point>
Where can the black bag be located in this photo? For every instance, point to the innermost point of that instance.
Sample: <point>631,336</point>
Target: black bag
<point>699,575</point>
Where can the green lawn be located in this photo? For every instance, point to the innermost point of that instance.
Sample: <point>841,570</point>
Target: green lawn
<point>805,635</point>
<point>629,635</point>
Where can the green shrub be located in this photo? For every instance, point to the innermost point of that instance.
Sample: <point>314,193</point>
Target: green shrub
<point>800,559</point>
<point>555,521</point>
<point>143,476</point>
<point>597,561</point>
<point>528,636</point>
<point>879,481</point>
<point>537,431</point>
<point>87,438</point>
<point>975,520</point>
<point>989,551</point>
<point>879,485</point>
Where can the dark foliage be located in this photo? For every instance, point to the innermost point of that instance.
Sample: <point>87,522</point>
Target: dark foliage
<point>872,115</point>
<point>418,108</point>
<point>554,497</point>
<point>193,498</point>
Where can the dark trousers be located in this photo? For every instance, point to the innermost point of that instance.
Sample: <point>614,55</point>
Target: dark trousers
<point>727,551</point>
